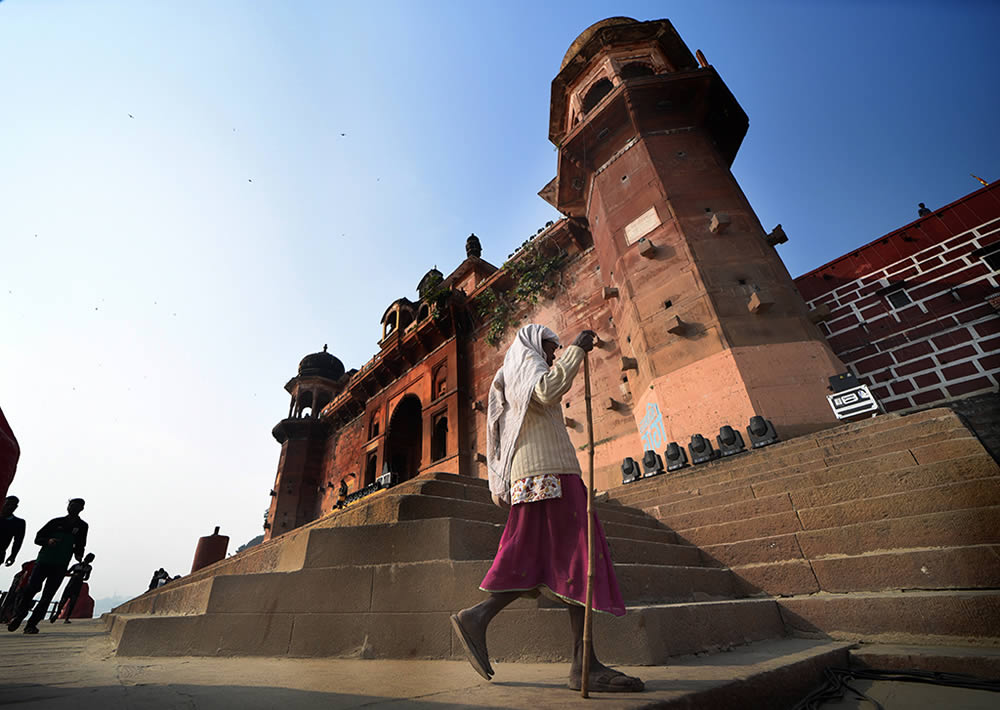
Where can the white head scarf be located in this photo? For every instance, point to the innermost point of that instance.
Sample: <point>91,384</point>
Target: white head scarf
<point>523,366</point>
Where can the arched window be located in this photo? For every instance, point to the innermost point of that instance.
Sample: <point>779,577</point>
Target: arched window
<point>439,384</point>
<point>370,471</point>
<point>390,323</point>
<point>425,311</point>
<point>304,404</point>
<point>439,438</point>
<point>405,318</point>
<point>635,70</point>
<point>597,92</point>
<point>373,427</point>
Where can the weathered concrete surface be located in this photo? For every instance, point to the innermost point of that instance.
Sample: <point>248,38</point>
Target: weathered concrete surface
<point>73,668</point>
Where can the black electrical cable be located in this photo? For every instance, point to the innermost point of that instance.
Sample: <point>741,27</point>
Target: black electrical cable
<point>836,684</point>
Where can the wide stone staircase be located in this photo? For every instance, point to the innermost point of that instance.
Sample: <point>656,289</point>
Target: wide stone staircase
<point>380,580</point>
<point>885,531</point>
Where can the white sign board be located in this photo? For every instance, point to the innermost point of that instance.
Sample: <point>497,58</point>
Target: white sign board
<point>852,402</point>
<point>643,225</point>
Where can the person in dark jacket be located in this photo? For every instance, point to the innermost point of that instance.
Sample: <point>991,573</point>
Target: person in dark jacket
<point>60,540</point>
<point>11,529</point>
<point>78,574</point>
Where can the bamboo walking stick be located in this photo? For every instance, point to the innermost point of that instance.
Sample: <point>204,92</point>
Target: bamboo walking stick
<point>588,613</point>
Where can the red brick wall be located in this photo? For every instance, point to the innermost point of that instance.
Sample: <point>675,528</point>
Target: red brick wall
<point>943,345</point>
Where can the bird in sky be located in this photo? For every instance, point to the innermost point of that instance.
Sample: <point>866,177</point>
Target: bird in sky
<point>131,116</point>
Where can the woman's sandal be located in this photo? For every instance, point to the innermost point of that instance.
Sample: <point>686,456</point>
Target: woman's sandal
<point>475,655</point>
<point>602,683</point>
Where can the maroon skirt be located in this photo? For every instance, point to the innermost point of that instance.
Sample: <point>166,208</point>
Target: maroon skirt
<point>544,548</point>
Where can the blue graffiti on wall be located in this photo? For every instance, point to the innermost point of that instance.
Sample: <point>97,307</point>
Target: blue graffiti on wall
<point>651,429</point>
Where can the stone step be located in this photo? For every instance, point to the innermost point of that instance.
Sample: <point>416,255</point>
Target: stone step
<point>404,542</point>
<point>433,585</point>
<point>646,635</point>
<point>924,617</point>
<point>979,661</point>
<point>847,437</point>
<point>953,496</point>
<point>775,481</point>
<point>656,553</point>
<point>748,542</point>
<point>729,513</point>
<point>800,486</point>
<point>772,548</point>
<point>955,449</point>
<point>970,567</point>
<point>906,479</point>
<point>965,494</point>
<point>765,525</point>
<point>720,474</point>
<point>784,578</point>
<point>793,457</point>
<point>455,539</point>
<point>463,490</point>
<point>437,585</point>
<point>741,503</point>
<point>635,532</point>
<point>954,528</point>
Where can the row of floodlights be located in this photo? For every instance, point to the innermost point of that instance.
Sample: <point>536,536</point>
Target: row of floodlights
<point>730,441</point>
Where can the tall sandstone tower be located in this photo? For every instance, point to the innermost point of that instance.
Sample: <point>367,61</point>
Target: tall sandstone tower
<point>708,320</point>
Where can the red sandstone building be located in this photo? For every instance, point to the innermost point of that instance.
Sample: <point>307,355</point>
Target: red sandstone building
<point>661,253</point>
<point>914,313</point>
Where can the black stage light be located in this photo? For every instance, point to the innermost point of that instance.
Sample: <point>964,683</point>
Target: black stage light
<point>630,470</point>
<point>701,449</point>
<point>843,381</point>
<point>730,441</point>
<point>652,464</point>
<point>761,432</point>
<point>676,457</point>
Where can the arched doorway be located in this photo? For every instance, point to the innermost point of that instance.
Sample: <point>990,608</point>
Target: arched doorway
<point>404,438</point>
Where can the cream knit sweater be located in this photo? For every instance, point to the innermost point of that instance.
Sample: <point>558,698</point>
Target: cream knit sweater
<point>543,445</point>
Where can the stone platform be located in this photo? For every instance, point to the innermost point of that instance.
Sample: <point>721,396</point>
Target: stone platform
<point>74,667</point>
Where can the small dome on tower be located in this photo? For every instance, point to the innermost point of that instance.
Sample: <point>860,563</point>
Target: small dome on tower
<point>321,365</point>
<point>431,279</point>
<point>590,32</point>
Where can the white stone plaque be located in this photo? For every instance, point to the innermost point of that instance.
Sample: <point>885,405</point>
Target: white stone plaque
<point>641,226</point>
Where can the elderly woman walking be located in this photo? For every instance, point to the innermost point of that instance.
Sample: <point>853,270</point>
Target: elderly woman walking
<point>534,470</point>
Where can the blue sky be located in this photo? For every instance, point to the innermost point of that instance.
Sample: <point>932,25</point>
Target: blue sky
<point>181,218</point>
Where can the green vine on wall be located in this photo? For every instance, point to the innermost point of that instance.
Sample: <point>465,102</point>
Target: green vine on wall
<point>532,272</point>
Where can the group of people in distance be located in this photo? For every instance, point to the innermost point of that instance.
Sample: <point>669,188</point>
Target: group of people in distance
<point>59,540</point>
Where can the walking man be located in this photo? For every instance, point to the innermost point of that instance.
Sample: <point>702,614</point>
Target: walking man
<point>533,470</point>
<point>60,540</point>
<point>78,574</point>
<point>11,529</point>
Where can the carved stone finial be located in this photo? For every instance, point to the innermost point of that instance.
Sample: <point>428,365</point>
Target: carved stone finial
<point>473,247</point>
<point>324,347</point>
